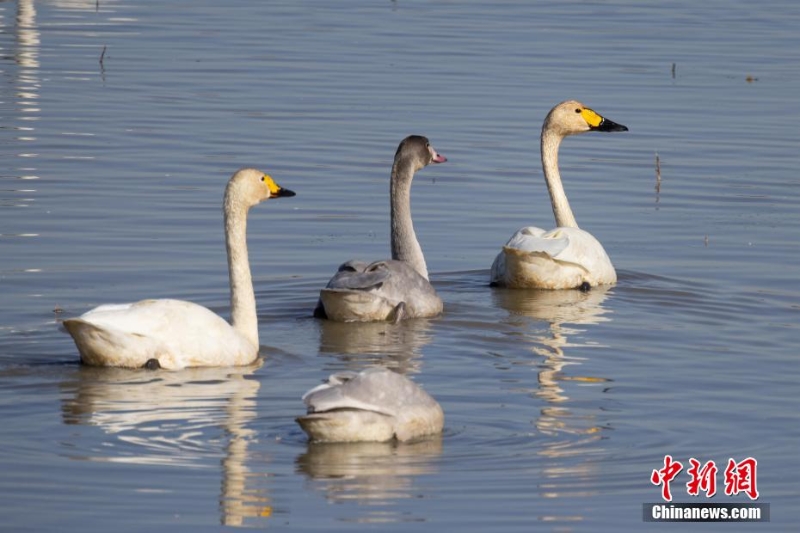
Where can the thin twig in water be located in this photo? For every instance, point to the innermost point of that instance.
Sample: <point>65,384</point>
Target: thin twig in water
<point>673,71</point>
<point>102,57</point>
<point>658,174</point>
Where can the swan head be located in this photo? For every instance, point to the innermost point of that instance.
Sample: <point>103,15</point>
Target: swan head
<point>417,151</point>
<point>250,186</point>
<point>572,117</point>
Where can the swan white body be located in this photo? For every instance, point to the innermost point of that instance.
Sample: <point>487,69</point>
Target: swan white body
<point>375,405</point>
<point>566,257</point>
<point>391,289</point>
<point>176,334</point>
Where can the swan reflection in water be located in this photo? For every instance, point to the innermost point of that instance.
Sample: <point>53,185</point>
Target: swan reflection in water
<point>356,345</point>
<point>372,474</point>
<point>185,419</point>
<point>563,312</point>
<point>549,318</point>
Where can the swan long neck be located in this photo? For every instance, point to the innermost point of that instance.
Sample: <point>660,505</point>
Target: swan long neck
<point>243,298</point>
<point>558,198</point>
<point>405,246</point>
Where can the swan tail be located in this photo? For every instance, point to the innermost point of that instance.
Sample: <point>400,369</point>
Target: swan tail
<point>99,346</point>
<point>319,310</point>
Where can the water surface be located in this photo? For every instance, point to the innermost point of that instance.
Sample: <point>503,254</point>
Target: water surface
<point>122,121</point>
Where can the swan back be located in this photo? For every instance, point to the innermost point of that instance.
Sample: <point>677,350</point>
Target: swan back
<point>176,333</point>
<point>361,292</point>
<point>374,405</point>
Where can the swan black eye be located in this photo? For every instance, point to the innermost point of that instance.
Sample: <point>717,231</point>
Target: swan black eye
<point>263,178</point>
<point>578,110</point>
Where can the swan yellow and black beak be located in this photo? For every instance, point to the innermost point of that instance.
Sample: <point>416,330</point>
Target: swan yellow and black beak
<point>275,190</point>
<point>597,122</point>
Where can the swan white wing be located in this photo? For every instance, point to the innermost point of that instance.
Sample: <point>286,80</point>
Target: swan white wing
<point>566,245</point>
<point>158,318</point>
<point>533,239</point>
<point>336,379</point>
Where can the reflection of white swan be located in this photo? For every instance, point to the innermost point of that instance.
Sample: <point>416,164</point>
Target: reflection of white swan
<point>357,345</point>
<point>392,289</point>
<point>176,334</point>
<point>560,312</point>
<point>28,34</point>
<point>556,307</point>
<point>373,405</point>
<point>182,419</point>
<point>566,257</point>
<point>369,472</point>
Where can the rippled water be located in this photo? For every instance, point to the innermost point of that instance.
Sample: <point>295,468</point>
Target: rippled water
<point>121,122</point>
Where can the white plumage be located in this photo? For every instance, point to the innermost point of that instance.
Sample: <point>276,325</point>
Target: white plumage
<point>176,334</point>
<point>566,257</point>
<point>373,405</point>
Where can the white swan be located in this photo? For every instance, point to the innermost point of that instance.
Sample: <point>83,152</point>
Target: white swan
<point>176,334</point>
<point>374,405</point>
<point>566,257</point>
<point>391,289</point>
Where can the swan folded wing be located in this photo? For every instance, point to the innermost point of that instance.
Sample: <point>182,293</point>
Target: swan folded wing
<point>404,284</point>
<point>354,265</point>
<point>333,380</point>
<point>533,239</point>
<point>177,319</point>
<point>587,252</point>
<point>359,276</point>
<point>566,245</point>
<point>366,392</point>
<point>378,390</point>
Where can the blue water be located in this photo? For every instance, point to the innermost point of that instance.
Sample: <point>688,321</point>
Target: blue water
<point>121,121</point>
